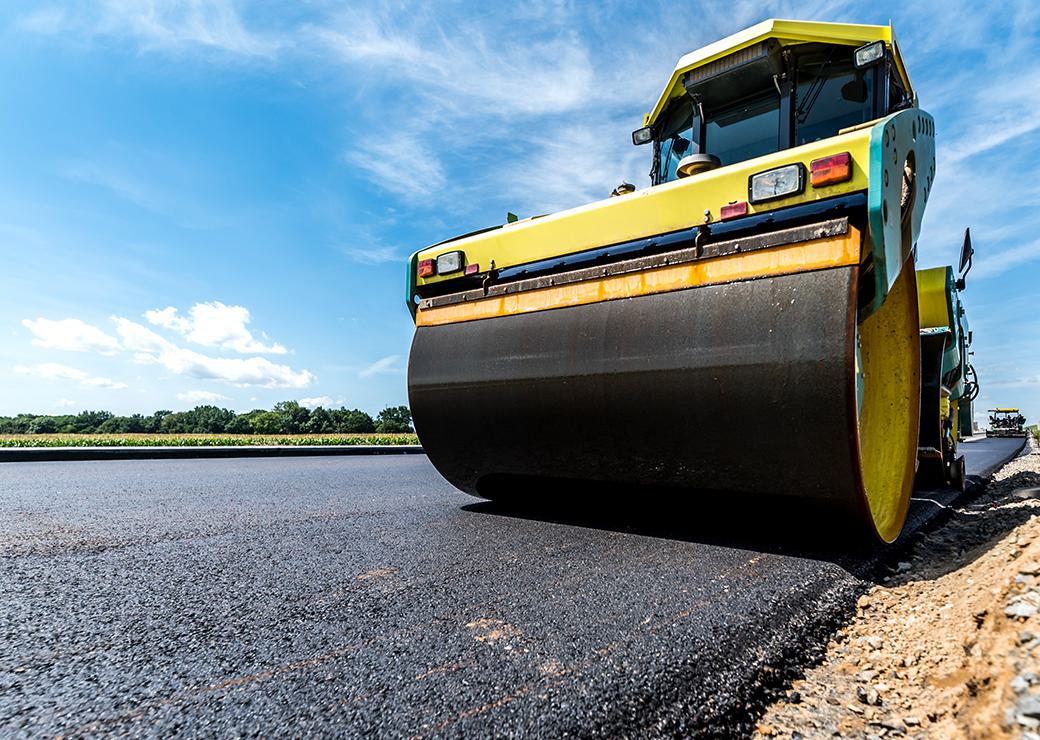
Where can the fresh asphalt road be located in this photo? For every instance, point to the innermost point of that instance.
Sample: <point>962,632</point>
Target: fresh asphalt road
<point>365,596</point>
<point>985,454</point>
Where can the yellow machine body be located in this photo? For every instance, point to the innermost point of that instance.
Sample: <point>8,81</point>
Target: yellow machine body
<point>668,207</point>
<point>635,340</point>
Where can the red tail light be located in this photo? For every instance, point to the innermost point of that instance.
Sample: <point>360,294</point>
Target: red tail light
<point>830,170</point>
<point>425,268</point>
<point>732,210</point>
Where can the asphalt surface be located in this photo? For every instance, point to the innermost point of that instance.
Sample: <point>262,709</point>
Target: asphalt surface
<point>350,596</point>
<point>984,455</point>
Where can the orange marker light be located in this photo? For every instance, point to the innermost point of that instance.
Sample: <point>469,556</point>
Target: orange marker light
<point>830,170</point>
<point>425,268</point>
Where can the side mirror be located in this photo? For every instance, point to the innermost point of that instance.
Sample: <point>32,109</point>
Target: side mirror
<point>965,262</point>
<point>855,91</point>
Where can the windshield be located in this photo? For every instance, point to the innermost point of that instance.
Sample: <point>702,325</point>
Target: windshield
<point>831,94</point>
<point>818,93</point>
<point>744,131</point>
<point>678,139</point>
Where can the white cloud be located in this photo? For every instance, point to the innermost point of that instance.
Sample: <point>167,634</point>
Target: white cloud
<point>382,366</point>
<point>316,401</point>
<point>149,347</point>
<point>142,341</point>
<point>201,397</point>
<point>70,334</point>
<point>214,324</point>
<point>55,371</point>
<point>65,403</point>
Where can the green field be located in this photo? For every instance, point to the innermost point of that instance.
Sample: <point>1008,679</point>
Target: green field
<point>201,440</point>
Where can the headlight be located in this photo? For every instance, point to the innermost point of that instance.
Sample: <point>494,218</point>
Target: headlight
<point>870,53</point>
<point>449,262</point>
<point>777,183</point>
<point>642,135</point>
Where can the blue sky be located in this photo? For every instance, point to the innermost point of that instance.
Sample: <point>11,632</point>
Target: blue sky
<point>213,201</point>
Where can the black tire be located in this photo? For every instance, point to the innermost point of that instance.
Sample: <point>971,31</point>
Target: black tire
<point>958,474</point>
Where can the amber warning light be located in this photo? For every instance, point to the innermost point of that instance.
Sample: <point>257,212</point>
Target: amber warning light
<point>830,170</point>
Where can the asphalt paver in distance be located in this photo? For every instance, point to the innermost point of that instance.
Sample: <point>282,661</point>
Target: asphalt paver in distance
<point>365,595</point>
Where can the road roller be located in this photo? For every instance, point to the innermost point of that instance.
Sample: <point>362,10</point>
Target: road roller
<point>949,384</point>
<point>745,326</point>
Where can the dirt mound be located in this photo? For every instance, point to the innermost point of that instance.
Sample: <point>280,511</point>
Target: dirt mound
<point>948,644</point>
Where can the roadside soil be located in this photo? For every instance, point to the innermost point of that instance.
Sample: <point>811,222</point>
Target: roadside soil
<point>947,644</point>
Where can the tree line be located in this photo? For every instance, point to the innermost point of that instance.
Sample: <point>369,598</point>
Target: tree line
<point>287,417</point>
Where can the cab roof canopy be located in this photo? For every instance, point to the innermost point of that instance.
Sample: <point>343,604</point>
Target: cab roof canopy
<point>787,33</point>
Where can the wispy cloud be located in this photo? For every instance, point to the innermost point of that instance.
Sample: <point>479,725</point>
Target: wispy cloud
<point>159,25</point>
<point>113,179</point>
<point>400,163</point>
<point>463,66</point>
<point>1003,111</point>
<point>173,187</point>
<point>574,165</point>
<point>43,20</point>
<point>1026,382</point>
<point>991,265</point>
<point>55,371</point>
<point>382,366</point>
<point>175,24</point>
<point>374,255</point>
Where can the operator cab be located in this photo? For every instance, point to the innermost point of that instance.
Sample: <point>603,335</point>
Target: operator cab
<point>768,97</point>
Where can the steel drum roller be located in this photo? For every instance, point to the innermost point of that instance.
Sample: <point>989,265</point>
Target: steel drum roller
<point>749,387</point>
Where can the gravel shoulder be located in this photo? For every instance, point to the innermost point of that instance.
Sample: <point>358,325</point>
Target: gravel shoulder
<point>946,645</point>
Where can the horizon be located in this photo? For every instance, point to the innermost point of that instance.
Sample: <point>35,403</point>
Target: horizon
<point>213,203</point>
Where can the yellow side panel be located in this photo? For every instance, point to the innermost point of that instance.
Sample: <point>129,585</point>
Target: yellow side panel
<point>890,413</point>
<point>790,258</point>
<point>932,298</point>
<point>671,206</point>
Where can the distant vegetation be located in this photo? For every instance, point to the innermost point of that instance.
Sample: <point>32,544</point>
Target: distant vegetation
<point>287,417</point>
<point>201,440</point>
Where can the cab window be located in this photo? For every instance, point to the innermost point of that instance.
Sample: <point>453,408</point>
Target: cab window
<point>678,138</point>
<point>831,94</point>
